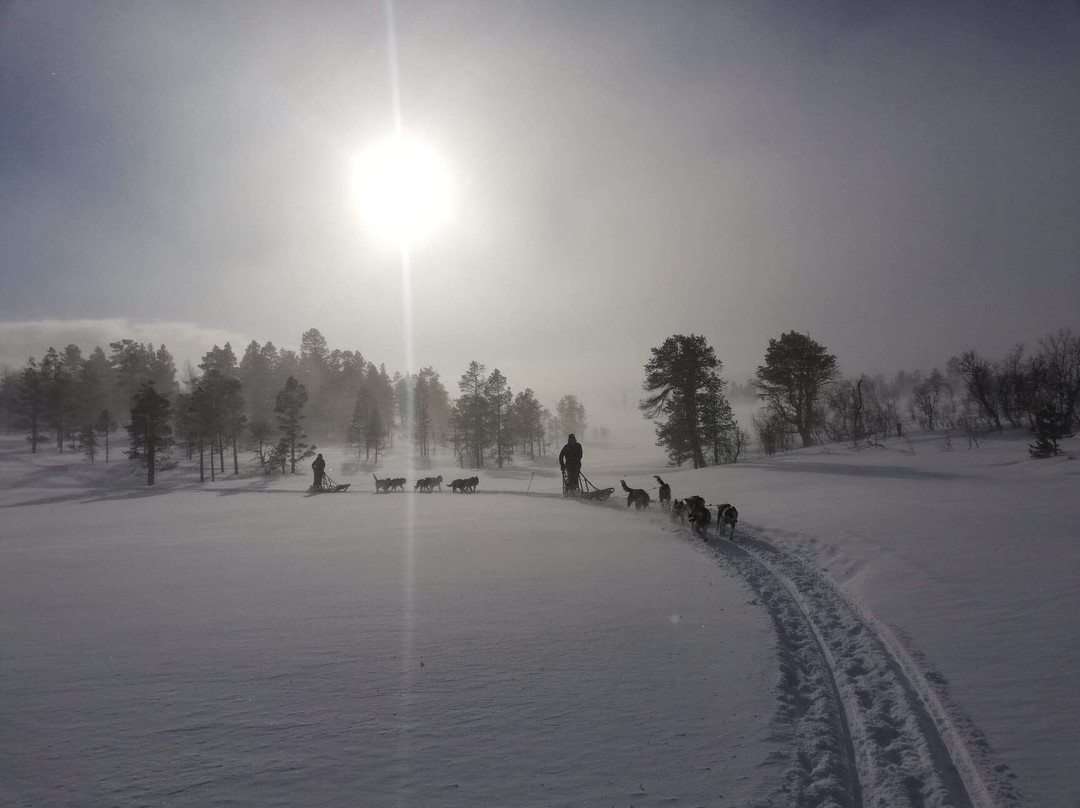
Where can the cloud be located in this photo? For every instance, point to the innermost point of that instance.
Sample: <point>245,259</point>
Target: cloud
<point>187,342</point>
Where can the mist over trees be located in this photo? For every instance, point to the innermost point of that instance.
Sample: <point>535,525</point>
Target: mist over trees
<point>265,404</point>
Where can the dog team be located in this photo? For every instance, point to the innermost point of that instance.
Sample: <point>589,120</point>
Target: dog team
<point>692,510</point>
<point>425,485</point>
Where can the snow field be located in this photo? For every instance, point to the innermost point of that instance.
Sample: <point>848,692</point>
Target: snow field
<point>270,648</point>
<point>909,615</point>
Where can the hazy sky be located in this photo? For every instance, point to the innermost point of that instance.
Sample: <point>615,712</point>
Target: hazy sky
<point>902,181</point>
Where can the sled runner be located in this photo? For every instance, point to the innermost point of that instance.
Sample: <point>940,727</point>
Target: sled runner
<point>585,489</point>
<point>328,486</point>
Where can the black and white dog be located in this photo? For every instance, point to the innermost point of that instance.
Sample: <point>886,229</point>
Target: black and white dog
<point>726,515</point>
<point>665,493</point>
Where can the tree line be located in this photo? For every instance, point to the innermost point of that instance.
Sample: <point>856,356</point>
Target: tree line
<point>806,400</point>
<point>266,402</point>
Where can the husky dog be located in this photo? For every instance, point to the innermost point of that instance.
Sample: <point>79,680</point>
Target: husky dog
<point>427,484</point>
<point>665,493</point>
<point>700,516</point>
<point>678,511</point>
<point>638,497</point>
<point>398,483</point>
<point>457,486</point>
<point>471,483</point>
<point>382,485</point>
<point>726,515</point>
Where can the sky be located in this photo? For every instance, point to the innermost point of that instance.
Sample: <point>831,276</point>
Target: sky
<point>900,181</point>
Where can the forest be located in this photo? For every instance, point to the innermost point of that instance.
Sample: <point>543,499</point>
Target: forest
<point>273,406</point>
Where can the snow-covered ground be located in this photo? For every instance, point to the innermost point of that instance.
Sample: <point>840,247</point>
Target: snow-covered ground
<point>893,626</point>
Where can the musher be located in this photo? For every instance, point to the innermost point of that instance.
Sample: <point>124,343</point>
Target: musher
<point>318,465</point>
<point>570,462</point>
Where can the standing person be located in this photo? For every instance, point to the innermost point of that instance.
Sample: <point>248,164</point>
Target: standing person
<point>318,465</point>
<point>570,462</point>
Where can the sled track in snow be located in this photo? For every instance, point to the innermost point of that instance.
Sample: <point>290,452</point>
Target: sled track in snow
<point>866,725</point>
<point>860,723</point>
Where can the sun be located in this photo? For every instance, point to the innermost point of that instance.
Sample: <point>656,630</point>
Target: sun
<point>402,189</point>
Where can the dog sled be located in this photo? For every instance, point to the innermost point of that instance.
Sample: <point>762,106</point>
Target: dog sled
<point>584,489</point>
<point>328,486</point>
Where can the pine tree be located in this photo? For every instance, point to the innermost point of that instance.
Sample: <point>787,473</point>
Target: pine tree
<point>88,441</point>
<point>150,435</point>
<point>31,401</point>
<point>679,377</point>
<point>500,399</point>
<point>718,422</point>
<point>257,375</point>
<point>528,421</point>
<point>105,424</point>
<point>233,407</point>
<point>357,433</point>
<point>793,378</point>
<point>472,413</point>
<point>572,417</point>
<point>129,364</point>
<point>9,398</point>
<point>421,409</point>
<point>93,384</point>
<point>374,431</point>
<point>58,388</point>
<point>290,407</point>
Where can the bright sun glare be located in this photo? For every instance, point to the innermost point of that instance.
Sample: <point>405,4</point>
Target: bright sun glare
<point>402,189</point>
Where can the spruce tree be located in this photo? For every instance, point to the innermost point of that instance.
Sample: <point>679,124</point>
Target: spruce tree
<point>500,399</point>
<point>31,401</point>
<point>472,414</point>
<point>1049,427</point>
<point>88,441</point>
<point>150,435</point>
<point>290,411</point>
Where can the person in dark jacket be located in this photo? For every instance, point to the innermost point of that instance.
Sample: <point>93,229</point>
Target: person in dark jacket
<point>570,461</point>
<point>318,465</point>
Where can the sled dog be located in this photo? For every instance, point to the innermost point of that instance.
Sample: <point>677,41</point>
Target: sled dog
<point>427,484</point>
<point>700,516</point>
<point>665,493</point>
<point>382,485</point>
<point>726,515</point>
<point>678,511</point>
<point>638,497</point>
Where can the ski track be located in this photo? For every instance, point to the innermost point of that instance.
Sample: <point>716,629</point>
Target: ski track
<point>864,725</point>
